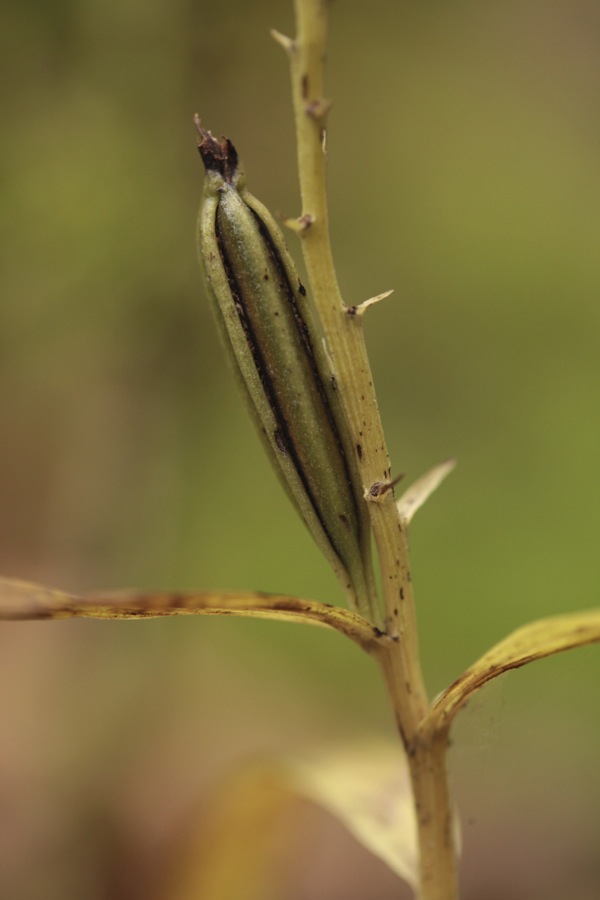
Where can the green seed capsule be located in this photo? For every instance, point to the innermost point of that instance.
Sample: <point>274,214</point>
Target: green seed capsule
<point>273,335</point>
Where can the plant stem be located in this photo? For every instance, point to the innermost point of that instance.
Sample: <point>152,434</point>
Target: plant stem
<point>343,328</point>
<point>426,749</point>
<point>398,655</point>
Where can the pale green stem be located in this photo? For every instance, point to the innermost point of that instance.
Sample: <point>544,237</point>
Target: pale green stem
<point>348,352</point>
<point>344,332</point>
<point>398,655</point>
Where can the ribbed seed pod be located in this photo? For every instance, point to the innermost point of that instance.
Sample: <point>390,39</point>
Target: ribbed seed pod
<point>273,335</point>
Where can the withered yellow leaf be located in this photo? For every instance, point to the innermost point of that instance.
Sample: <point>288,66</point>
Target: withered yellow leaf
<point>536,640</point>
<point>242,846</point>
<point>367,787</point>
<point>238,849</point>
<point>21,600</point>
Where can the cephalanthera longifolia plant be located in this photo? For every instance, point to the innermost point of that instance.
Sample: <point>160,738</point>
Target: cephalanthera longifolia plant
<point>300,360</point>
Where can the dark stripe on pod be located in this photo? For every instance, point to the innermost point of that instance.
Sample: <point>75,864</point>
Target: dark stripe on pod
<point>282,435</point>
<point>306,341</point>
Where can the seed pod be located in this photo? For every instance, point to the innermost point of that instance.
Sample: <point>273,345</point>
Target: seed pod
<point>272,333</point>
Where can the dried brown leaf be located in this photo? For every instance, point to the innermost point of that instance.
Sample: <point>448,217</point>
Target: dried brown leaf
<point>23,600</point>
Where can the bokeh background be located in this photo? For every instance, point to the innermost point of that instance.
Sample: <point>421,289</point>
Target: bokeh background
<point>463,172</point>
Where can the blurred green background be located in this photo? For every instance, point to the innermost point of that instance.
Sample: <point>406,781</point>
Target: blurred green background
<point>463,172</point>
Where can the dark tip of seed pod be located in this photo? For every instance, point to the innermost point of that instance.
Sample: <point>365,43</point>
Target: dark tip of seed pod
<point>217,156</point>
